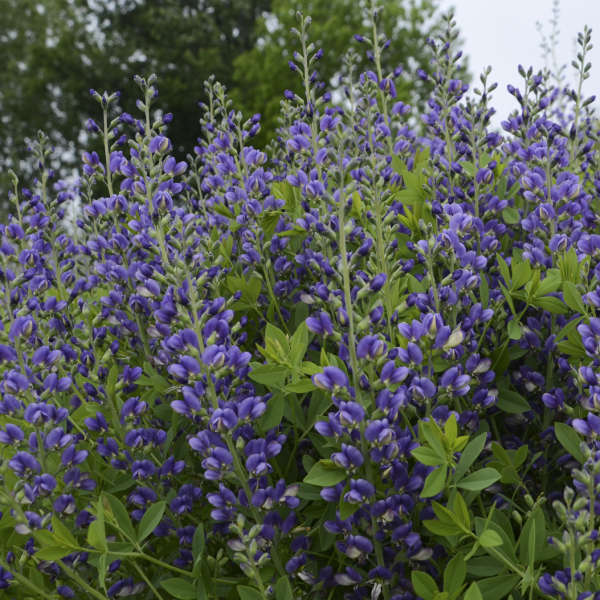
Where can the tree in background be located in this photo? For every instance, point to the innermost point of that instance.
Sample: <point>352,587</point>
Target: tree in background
<point>54,51</point>
<point>407,25</point>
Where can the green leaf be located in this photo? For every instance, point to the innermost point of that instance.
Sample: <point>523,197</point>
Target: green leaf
<point>427,456</point>
<point>347,509</point>
<point>309,368</point>
<point>309,492</point>
<point>198,543</point>
<point>479,480</point>
<point>569,439</point>
<point>534,531</point>
<point>442,528</point>
<point>512,402</point>
<point>469,168</point>
<point>222,210</point>
<point>424,585</point>
<point>53,553</point>
<point>102,569</point>
<point>301,387</point>
<point>503,529</point>
<point>274,414</point>
<point>551,283</point>
<point>531,543</point>
<point>414,285</point>
<point>150,520</point>
<point>511,216</point>
<point>496,588</point>
<point>451,429</point>
<point>246,592</point>
<point>572,297</point>
<point>325,474</point>
<point>434,483</point>
<point>299,344</point>
<point>179,588</point>
<point>433,434</point>
<point>521,273</point>
<point>490,539</point>
<point>504,271</point>
<point>520,455</point>
<point>514,330</point>
<point>96,535</point>
<point>111,380</point>
<point>62,533</point>
<point>358,206</point>
<point>283,589</point>
<point>461,511</point>
<point>572,348</point>
<point>43,537</point>
<point>473,593</point>
<point>278,337</point>
<point>455,574</point>
<point>469,455</point>
<point>569,330</point>
<point>501,454</point>
<point>551,304</point>
<point>569,266</point>
<point>484,290</point>
<point>484,566</point>
<point>268,222</point>
<point>268,375</point>
<point>120,515</point>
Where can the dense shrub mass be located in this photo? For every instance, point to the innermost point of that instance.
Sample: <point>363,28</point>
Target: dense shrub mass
<point>365,365</point>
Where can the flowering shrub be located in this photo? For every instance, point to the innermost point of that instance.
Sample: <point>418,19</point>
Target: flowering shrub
<point>363,364</point>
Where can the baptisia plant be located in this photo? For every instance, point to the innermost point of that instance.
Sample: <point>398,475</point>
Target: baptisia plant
<point>361,363</point>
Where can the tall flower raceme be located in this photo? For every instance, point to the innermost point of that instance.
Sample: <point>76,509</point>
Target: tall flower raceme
<point>359,364</point>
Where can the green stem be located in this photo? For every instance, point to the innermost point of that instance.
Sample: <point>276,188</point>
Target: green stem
<point>273,299</point>
<point>308,95</point>
<point>156,561</point>
<point>549,187</point>
<point>573,584</point>
<point>346,280</point>
<point>148,582</point>
<point>592,522</point>
<point>107,153</point>
<point>81,582</point>
<point>434,287</point>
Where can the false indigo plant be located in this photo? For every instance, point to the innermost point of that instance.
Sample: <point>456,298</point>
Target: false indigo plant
<point>361,364</point>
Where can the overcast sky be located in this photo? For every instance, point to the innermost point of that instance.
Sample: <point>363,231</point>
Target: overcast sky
<point>503,33</point>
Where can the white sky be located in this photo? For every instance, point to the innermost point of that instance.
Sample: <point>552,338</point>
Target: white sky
<point>503,34</point>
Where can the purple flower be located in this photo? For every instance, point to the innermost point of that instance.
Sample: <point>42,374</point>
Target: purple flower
<point>320,324</point>
<point>370,347</point>
<point>349,577</point>
<point>12,434</point>
<point>360,491</point>
<point>392,374</point>
<point>454,382</point>
<point>351,414</point>
<point>142,469</point>
<point>159,143</point>
<point>22,463</point>
<point>377,282</point>
<point>355,546</point>
<point>190,403</point>
<point>588,426</point>
<point>350,458</point>
<point>330,379</point>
